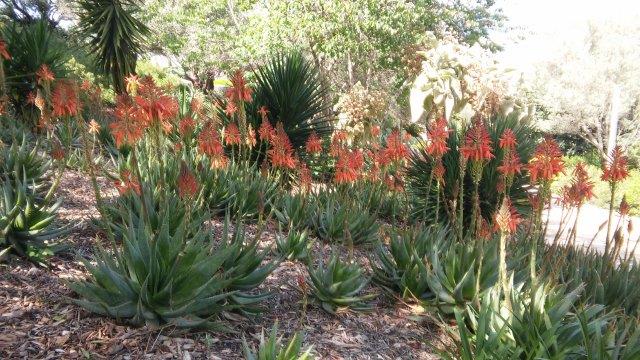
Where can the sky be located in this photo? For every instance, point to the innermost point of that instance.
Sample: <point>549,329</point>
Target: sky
<point>537,29</point>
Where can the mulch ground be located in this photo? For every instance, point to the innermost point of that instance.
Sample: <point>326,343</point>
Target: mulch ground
<point>38,322</point>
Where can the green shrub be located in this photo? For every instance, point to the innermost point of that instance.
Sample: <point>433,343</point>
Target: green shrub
<point>159,277</point>
<point>272,349</point>
<point>338,285</point>
<point>539,323</point>
<point>337,219</point>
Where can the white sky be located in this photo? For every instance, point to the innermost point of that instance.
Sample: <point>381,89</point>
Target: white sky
<point>536,28</point>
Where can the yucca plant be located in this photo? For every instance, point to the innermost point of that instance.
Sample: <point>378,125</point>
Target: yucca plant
<point>424,203</point>
<point>31,46</point>
<point>397,269</point>
<point>160,276</point>
<point>246,266</point>
<point>337,220</point>
<point>295,245</point>
<point>30,230</point>
<point>292,90</point>
<point>338,285</point>
<point>115,36</point>
<point>272,349</point>
<point>452,275</point>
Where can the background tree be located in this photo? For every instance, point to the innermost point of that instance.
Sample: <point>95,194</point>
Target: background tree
<point>576,88</point>
<point>364,41</point>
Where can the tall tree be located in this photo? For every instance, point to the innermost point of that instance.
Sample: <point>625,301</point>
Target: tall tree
<point>578,86</point>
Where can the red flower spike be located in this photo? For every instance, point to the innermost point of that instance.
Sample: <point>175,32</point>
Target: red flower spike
<point>127,183</point>
<point>187,183</point>
<point>624,206</point>
<point>511,164</point>
<point>44,75</point>
<point>314,144</point>
<point>186,126</point>
<point>477,146</point>
<point>281,152</point>
<point>4,53</point>
<point>239,90</point>
<point>507,140</point>
<point>266,131</point>
<point>395,150</point>
<point>616,169</point>
<point>232,135</point>
<point>348,166</point>
<point>438,134</point>
<point>305,177</point>
<point>130,123</point>
<point>160,107</point>
<point>547,161</point>
<point>507,218</point>
<point>64,99</point>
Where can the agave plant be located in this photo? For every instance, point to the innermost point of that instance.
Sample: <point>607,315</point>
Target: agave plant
<point>116,36</point>
<point>245,266</point>
<point>335,220</point>
<point>291,89</point>
<point>398,270</point>
<point>452,275</point>
<point>164,276</point>
<point>294,246</point>
<point>419,172</point>
<point>272,349</point>
<point>29,230</point>
<point>338,285</point>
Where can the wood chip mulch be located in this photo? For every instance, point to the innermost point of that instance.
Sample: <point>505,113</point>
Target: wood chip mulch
<point>38,322</point>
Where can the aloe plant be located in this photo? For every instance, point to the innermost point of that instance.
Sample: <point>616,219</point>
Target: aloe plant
<point>294,246</point>
<point>246,266</point>
<point>336,220</point>
<point>28,227</point>
<point>163,276</point>
<point>452,275</point>
<point>271,348</point>
<point>23,162</point>
<point>398,269</point>
<point>293,210</point>
<point>338,285</point>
